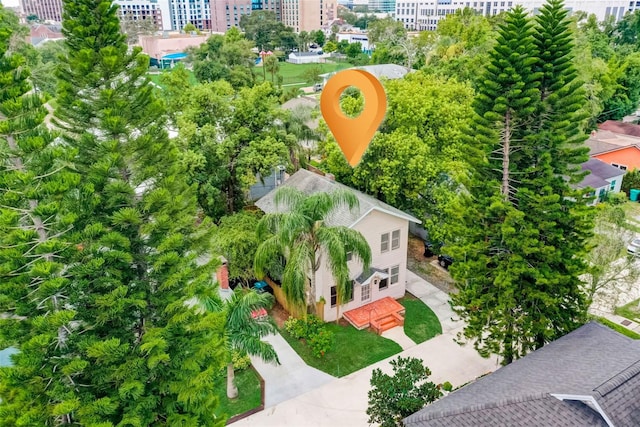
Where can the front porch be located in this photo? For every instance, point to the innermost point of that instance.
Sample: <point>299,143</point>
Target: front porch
<point>379,315</point>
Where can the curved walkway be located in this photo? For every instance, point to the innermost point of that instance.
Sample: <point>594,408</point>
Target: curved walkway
<point>291,378</point>
<point>343,401</point>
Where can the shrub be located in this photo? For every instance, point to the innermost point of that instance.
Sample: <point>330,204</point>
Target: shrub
<point>240,360</point>
<point>321,342</point>
<point>616,198</point>
<point>303,328</point>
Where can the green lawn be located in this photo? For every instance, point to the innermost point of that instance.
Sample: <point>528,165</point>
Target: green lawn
<point>293,74</point>
<point>618,328</point>
<point>420,322</point>
<point>248,394</point>
<point>630,311</point>
<point>352,350</point>
<point>156,78</point>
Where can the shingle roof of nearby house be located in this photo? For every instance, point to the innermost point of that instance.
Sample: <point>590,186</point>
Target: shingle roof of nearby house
<point>303,54</point>
<point>593,362</point>
<point>309,183</point>
<point>620,127</point>
<point>300,102</point>
<point>600,172</point>
<point>599,147</point>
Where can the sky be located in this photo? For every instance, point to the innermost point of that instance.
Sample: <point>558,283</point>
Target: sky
<point>9,3</point>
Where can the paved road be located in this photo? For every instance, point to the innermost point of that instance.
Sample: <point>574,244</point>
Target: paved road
<point>343,401</point>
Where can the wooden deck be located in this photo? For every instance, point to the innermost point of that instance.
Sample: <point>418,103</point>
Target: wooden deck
<point>380,315</point>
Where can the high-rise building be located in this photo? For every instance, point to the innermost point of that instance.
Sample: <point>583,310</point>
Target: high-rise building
<point>137,10</point>
<point>45,10</point>
<point>196,12</point>
<point>381,6</point>
<point>421,15</point>
<point>308,15</point>
<point>227,13</point>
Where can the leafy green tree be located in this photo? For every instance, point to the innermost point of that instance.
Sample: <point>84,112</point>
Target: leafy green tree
<point>227,138</point>
<point>517,272</point>
<point>244,329</point>
<point>394,397</point>
<point>189,28</point>
<point>330,46</point>
<point>140,354</point>
<point>35,249</point>
<point>266,32</point>
<point>235,239</point>
<point>176,89</point>
<point>419,158</point>
<point>318,37</point>
<point>299,234</point>
<point>227,57</point>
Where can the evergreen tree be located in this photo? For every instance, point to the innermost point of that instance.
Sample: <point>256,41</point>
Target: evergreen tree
<point>520,252</point>
<point>143,354</point>
<point>34,289</point>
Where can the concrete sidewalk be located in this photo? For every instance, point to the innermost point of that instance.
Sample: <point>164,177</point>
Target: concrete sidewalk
<point>343,401</point>
<point>291,378</point>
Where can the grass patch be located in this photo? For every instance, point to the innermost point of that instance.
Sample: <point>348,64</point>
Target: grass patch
<point>420,322</point>
<point>618,328</point>
<point>352,350</point>
<point>293,74</point>
<point>248,385</point>
<point>155,78</point>
<point>630,311</point>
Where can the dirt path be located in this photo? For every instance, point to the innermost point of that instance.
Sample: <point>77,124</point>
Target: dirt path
<point>427,268</point>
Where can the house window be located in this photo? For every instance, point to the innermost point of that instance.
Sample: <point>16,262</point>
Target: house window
<point>384,242</point>
<point>334,294</point>
<point>613,185</point>
<point>365,292</point>
<point>621,167</point>
<point>349,256</point>
<point>394,272</point>
<point>384,283</point>
<point>395,239</point>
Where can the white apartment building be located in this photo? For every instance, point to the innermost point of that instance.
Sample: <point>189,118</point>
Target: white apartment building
<point>197,12</point>
<point>157,10</point>
<point>425,14</point>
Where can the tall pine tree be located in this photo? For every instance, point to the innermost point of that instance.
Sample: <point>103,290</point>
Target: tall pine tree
<point>522,243</point>
<point>34,289</point>
<point>144,356</point>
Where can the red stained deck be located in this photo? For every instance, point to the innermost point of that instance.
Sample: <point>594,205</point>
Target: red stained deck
<point>376,314</point>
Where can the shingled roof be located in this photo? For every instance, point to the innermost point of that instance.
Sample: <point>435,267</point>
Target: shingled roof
<point>309,182</point>
<point>589,377</point>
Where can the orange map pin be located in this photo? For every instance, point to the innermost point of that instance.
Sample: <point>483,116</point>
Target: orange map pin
<point>353,134</point>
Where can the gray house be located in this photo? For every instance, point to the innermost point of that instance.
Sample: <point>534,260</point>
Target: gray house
<point>589,377</point>
<point>602,177</point>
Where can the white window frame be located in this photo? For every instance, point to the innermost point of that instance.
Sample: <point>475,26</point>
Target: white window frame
<point>395,239</point>
<point>397,274</point>
<point>384,242</point>
<point>365,290</point>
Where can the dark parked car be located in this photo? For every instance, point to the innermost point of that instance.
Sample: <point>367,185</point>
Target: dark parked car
<point>431,249</point>
<point>445,261</point>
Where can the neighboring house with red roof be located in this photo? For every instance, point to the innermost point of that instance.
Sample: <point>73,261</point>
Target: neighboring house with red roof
<point>40,33</point>
<point>617,149</point>
<point>621,128</point>
<point>589,377</point>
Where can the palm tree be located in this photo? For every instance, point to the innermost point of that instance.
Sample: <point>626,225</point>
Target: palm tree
<point>296,124</point>
<point>243,330</point>
<point>301,237</point>
<point>272,66</point>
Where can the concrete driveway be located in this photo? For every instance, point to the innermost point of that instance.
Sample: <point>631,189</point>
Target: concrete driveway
<point>343,401</point>
<point>291,378</point>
